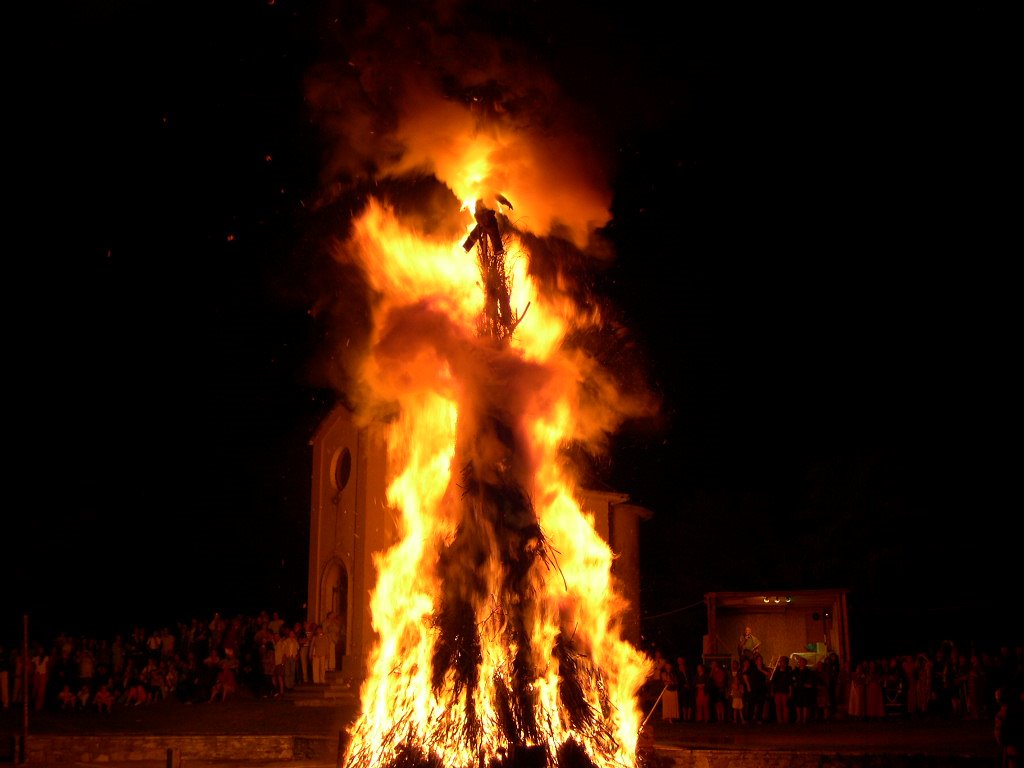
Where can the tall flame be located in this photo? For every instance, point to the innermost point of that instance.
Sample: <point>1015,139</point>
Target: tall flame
<point>497,615</point>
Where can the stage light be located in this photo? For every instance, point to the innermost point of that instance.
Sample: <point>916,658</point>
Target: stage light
<point>789,598</point>
<point>766,599</point>
<point>777,599</point>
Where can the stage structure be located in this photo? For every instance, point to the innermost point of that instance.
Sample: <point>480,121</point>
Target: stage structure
<point>809,622</point>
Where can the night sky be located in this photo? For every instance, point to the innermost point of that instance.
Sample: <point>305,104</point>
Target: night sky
<point>813,274</point>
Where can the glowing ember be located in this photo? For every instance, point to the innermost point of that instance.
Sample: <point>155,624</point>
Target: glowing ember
<point>496,612</point>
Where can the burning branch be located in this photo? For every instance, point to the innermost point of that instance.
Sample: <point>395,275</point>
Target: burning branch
<point>491,668</point>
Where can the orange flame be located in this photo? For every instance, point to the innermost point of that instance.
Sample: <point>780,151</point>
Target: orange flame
<point>442,379</point>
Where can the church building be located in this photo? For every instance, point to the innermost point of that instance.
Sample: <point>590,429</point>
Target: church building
<point>351,520</point>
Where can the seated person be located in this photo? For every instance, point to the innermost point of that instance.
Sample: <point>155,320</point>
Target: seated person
<point>67,699</point>
<point>104,700</point>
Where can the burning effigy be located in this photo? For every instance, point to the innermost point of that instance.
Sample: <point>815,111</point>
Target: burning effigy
<point>497,616</point>
<point>496,612</point>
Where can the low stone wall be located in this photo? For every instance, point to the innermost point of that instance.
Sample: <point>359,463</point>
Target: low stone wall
<point>50,750</point>
<point>757,758</point>
<point>108,749</point>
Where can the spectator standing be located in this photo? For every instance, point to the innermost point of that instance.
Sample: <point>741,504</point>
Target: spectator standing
<point>66,647</point>
<point>833,672</point>
<point>117,656</point>
<point>874,693</point>
<point>332,627</point>
<point>943,682</point>
<point>822,705</point>
<point>168,643</point>
<point>909,672</point>
<point>303,636</point>
<point>925,692</point>
<point>103,662</point>
<point>217,627</point>
<point>977,689</point>
<point>959,699</point>
<point>18,686</point>
<point>718,690</point>
<point>805,690</point>
<point>86,662</point>
<point>5,674</point>
<point>757,691</point>
<point>291,656</point>
<point>263,633</point>
<point>278,677</point>
<point>319,650</point>
<point>40,676</point>
<point>781,686</point>
<point>738,690</point>
<point>685,675</point>
<point>154,646</point>
<point>893,687</point>
<point>135,648</point>
<point>701,695</point>
<point>670,693</point>
<point>1008,725</point>
<point>276,624</point>
<point>856,708</point>
<point>652,687</point>
<point>267,665</point>
<point>232,637</point>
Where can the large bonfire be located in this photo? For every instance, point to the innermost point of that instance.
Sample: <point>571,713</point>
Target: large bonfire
<point>498,618</point>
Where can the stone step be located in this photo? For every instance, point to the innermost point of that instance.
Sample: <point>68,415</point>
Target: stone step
<point>334,693</point>
<point>339,702</point>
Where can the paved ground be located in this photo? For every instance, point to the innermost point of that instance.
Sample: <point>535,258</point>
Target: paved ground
<point>249,715</point>
<point>242,715</point>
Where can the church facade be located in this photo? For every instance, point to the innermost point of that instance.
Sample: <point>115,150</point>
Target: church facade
<point>350,520</point>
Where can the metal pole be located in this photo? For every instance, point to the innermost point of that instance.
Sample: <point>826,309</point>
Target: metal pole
<point>653,707</point>
<point>25,661</point>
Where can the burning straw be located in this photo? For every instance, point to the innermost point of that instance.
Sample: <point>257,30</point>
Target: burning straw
<point>491,652</point>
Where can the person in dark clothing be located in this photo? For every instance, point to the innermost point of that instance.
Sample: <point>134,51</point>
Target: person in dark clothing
<point>757,687</point>
<point>1008,725</point>
<point>805,690</point>
<point>781,686</point>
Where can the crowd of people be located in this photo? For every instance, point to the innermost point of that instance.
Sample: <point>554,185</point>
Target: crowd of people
<point>195,661</point>
<point>209,661</point>
<point>948,682</point>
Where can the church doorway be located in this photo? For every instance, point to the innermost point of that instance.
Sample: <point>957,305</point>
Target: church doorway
<point>335,600</point>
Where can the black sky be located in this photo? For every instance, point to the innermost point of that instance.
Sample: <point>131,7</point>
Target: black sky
<point>813,260</point>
